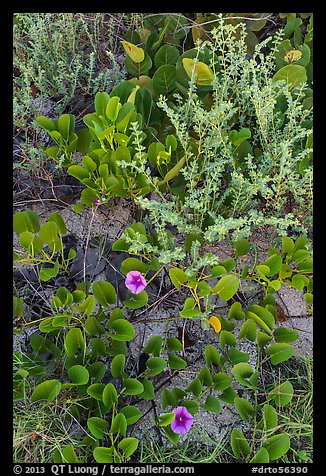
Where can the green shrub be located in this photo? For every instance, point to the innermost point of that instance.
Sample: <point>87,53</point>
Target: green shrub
<point>246,138</point>
<point>58,55</point>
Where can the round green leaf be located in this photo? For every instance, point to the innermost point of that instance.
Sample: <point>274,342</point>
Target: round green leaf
<point>154,346</point>
<point>248,330</point>
<point>279,352</point>
<point>226,287</point>
<point>74,341</point>
<point>212,356</point>
<point>103,455</point>
<point>175,362</point>
<point>166,419</point>
<point>285,335</point>
<point>104,293</point>
<point>235,312</point>
<point>191,406</point>
<point>244,408</point>
<point>287,245</point>
<point>128,446</point>
<point>164,79</point>
<point>173,437</point>
<point>117,365</point>
<point>212,404</point>
<point>262,456</point>
<point>227,338</point>
<point>133,264</point>
<point>26,238</point>
<point>47,390</point>
<point>119,424</point>
<point>292,74</point>
<point>195,387</point>
<point>97,427</point>
<point>167,54</point>
<point>109,395</point>
<point>218,271</point>
<point>156,366</point>
<point>270,418</point>
<point>174,344</point>
<point>124,330</point>
<point>136,300</point>
<point>282,394</point>
<point>27,220</point>
<point>148,393</point>
<point>78,375</point>
<point>133,386</point>
<point>242,372</point>
<point>46,123</point>
<point>239,444</point>
<point>93,327</point>
<point>178,276</point>
<point>57,218</point>
<point>222,381</point>
<point>131,413</point>
<point>262,316</point>
<point>69,455</point>
<point>274,264</point>
<point>277,446</point>
<point>97,371</point>
<point>49,233</point>
<point>96,390</point>
<point>242,246</point>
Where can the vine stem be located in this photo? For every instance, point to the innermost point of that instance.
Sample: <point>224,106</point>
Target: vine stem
<point>256,405</point>
<point>86,247</point>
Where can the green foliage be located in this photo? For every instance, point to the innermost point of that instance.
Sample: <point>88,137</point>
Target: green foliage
<point>41,244</point>
<point>232,145</point>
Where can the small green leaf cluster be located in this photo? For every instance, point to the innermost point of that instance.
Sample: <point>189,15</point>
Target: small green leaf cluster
<point>116,147</point>
<point>62,132</point>
<point>42,245</point>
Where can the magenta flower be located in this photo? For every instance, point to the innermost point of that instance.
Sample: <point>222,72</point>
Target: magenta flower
<point>182,421</point>
<point>135,282</point>
<point>99,201</point>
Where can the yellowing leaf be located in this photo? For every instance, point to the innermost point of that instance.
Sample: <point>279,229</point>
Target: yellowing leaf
<point>215,322</point>
<point>132,95</point>
<point>292,55</point>
<point>204,74</point>
<point>136,53</point>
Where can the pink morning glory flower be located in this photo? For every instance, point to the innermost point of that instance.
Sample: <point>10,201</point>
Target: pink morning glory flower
<point>182,421</point>
<point>99,201</point>
<point>135,282</point>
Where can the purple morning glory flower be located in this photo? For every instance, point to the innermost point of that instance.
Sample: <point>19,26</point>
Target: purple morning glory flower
<point>182,421</point>
<point>135,282</point>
